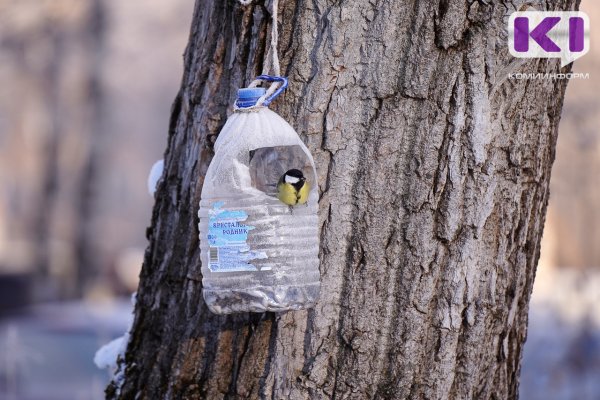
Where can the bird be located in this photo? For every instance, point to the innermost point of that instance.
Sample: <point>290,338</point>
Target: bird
<point>292,188</point>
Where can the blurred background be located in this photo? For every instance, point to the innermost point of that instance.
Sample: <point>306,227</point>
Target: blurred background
<point>85,93</point>
<point>86,88</point>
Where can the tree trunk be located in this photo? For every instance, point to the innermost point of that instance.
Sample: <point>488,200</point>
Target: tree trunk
<point>433,172</point>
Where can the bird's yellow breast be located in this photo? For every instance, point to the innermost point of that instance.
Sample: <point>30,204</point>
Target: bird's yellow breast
<point>303,193</point>
<point>288,194</point>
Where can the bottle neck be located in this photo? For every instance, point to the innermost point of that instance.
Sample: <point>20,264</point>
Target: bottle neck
<point>247,97</point>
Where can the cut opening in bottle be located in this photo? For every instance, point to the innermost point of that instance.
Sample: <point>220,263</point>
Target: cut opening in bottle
<point>268,166</point>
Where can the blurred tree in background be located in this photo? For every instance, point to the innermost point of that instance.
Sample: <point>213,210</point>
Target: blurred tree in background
<point>51,121</point>
<point>76,141</point>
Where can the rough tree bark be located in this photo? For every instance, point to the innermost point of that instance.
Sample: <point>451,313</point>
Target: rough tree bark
<point>433,171</point>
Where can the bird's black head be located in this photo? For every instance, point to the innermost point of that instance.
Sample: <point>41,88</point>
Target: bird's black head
<point>295,178</point>
<point>295,173</point>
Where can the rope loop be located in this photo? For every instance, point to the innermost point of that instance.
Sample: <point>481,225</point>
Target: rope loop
<point>270,62</point>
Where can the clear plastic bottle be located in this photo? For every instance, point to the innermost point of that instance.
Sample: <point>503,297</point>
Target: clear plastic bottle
<point>258,254</point>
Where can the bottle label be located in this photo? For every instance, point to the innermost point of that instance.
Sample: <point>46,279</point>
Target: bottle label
<point>227,240</point>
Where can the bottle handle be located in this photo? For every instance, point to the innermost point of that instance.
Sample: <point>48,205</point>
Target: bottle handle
<point>268,78</point>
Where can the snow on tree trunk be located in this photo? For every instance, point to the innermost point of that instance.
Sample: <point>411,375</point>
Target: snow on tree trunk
<point>433,172</point>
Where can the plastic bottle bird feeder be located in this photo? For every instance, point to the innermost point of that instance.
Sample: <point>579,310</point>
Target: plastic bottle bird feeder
<point>258,225</point>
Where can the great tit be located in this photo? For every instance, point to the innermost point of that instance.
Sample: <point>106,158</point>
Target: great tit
<point>292,188</point>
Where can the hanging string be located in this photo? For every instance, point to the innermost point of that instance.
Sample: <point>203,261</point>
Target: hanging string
<point>274,41</point>
<point>271,61</point>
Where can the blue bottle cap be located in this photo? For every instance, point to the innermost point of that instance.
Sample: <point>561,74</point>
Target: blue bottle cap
<point>247,97</point>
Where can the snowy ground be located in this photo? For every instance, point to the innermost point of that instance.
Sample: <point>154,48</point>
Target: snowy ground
<point>47,353</point>
<point>562,354</point>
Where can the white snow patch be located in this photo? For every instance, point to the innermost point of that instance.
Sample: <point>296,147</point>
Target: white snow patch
<point>107,356</point>
<point>154,176</point>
